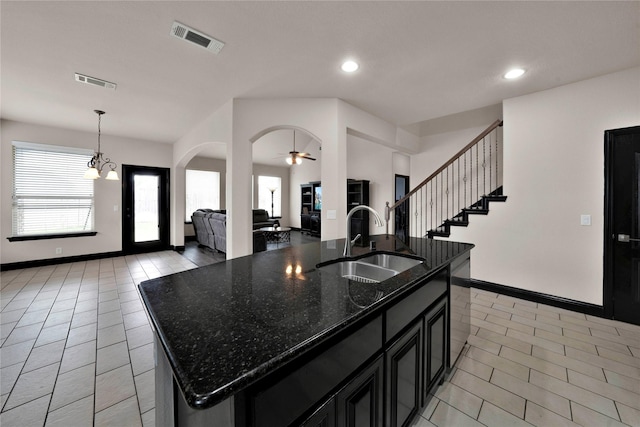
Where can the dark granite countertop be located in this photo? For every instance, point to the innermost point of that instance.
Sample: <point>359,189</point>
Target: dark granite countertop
<point>227,325</point>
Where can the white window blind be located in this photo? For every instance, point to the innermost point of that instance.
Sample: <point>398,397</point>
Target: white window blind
<point>265,185</point>
<point>50,195</point>
<point>202,190</point>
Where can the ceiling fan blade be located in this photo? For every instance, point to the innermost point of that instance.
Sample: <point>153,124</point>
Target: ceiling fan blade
<point>306,156</point>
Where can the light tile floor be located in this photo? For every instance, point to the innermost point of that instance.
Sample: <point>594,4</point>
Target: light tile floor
<point>76,350</point>
<point>533,364</point>
<point>76,347</point>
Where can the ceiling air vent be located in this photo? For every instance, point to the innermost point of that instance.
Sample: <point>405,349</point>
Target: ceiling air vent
<point>181,31</point>
<point>94,81</point>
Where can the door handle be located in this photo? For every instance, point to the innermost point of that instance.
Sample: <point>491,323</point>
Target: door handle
<point>625,238</point>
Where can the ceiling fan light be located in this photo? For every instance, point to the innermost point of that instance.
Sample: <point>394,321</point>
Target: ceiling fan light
<point>293,160</point>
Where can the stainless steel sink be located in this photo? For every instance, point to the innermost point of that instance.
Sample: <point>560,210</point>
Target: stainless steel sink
<point>373,268</point>
<point>392,262</point>
<point>359,271</point>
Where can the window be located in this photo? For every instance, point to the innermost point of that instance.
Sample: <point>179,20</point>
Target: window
<point>202,189</point>
<point>50,195</point>
<point>265,185</point>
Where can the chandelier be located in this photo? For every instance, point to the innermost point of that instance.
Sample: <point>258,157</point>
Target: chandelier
<point>98,161</point>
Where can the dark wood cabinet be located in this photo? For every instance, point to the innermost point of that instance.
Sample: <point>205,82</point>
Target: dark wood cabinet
<point>359,403</point>
<point>459,327</point>
<point>381,374</point>
<point>358,194</point>
<point>310,207</point>
<point>435,336</point>
<point>306,198</point>
<point>404,377</point>
<point>323,417</point>
<point>310,224</point>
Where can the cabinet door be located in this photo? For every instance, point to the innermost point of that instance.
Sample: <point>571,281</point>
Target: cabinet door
<point>359,403</point>
<point>404,374</point>
<point>436,345</point>
<point>323,417</point>
<point>315,224</point>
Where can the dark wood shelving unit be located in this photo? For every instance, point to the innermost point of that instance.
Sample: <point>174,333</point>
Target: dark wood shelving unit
<point>309,208</point>
<point>358,194</point>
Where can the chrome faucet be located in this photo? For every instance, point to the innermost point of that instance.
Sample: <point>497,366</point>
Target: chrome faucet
<point>349,243</point>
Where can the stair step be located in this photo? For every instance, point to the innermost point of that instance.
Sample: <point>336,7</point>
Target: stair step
<point>476,211</point>
<point>434,233</point>
<point>496,198</point>
<point>481,207</point>
<point>458,222</point>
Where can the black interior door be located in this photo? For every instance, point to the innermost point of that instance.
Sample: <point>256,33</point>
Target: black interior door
<point>145,209</point>
<point>401,219</point>
<point>622,234</point>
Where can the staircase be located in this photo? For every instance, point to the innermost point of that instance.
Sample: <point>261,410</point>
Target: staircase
<point>481,207</point>
<point>463,186</point>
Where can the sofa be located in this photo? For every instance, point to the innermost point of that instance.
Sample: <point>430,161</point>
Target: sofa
<point>261,219</point>
<point>210,227</point>
<point>202,228</point>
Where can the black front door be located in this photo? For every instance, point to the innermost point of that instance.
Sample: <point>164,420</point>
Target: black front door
<point>145,209</point>
<point>622,233</point>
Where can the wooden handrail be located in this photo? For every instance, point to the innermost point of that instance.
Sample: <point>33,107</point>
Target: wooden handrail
<point>477,139</point>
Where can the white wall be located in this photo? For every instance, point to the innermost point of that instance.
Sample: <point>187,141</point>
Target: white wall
<point>304,173</point>
<point>401,164</point>
<point>318,117</point>
<point>373,162</point>
<point>213,130</point>
<point>108,194</point>
<point>283,173</point>
<point>553,173</point>
<point>242,120</point>
<point>439,148</point>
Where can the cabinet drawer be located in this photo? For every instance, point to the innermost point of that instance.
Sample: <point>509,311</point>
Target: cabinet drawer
<point>414,304</point>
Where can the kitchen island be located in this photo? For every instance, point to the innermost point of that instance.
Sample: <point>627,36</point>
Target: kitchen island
<point>271,339</point>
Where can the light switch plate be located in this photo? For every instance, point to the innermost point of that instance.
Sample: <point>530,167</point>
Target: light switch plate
<point>585,219</point>
<point>331,214</point>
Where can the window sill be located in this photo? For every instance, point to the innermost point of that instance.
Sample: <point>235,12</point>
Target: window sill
<point>51,236</point>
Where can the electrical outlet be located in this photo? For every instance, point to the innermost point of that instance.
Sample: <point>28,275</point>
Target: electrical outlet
<point>58,251</point>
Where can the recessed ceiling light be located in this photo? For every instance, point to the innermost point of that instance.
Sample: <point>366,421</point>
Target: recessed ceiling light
<point>349,66</point>
<point>514,73</point>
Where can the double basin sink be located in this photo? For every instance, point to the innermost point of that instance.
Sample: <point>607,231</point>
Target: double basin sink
<point>373,268</point>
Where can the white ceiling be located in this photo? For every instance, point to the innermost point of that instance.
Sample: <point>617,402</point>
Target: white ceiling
<point>419,60</point>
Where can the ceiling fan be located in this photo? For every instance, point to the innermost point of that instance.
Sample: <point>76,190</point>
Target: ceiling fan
<point>295,157</point>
